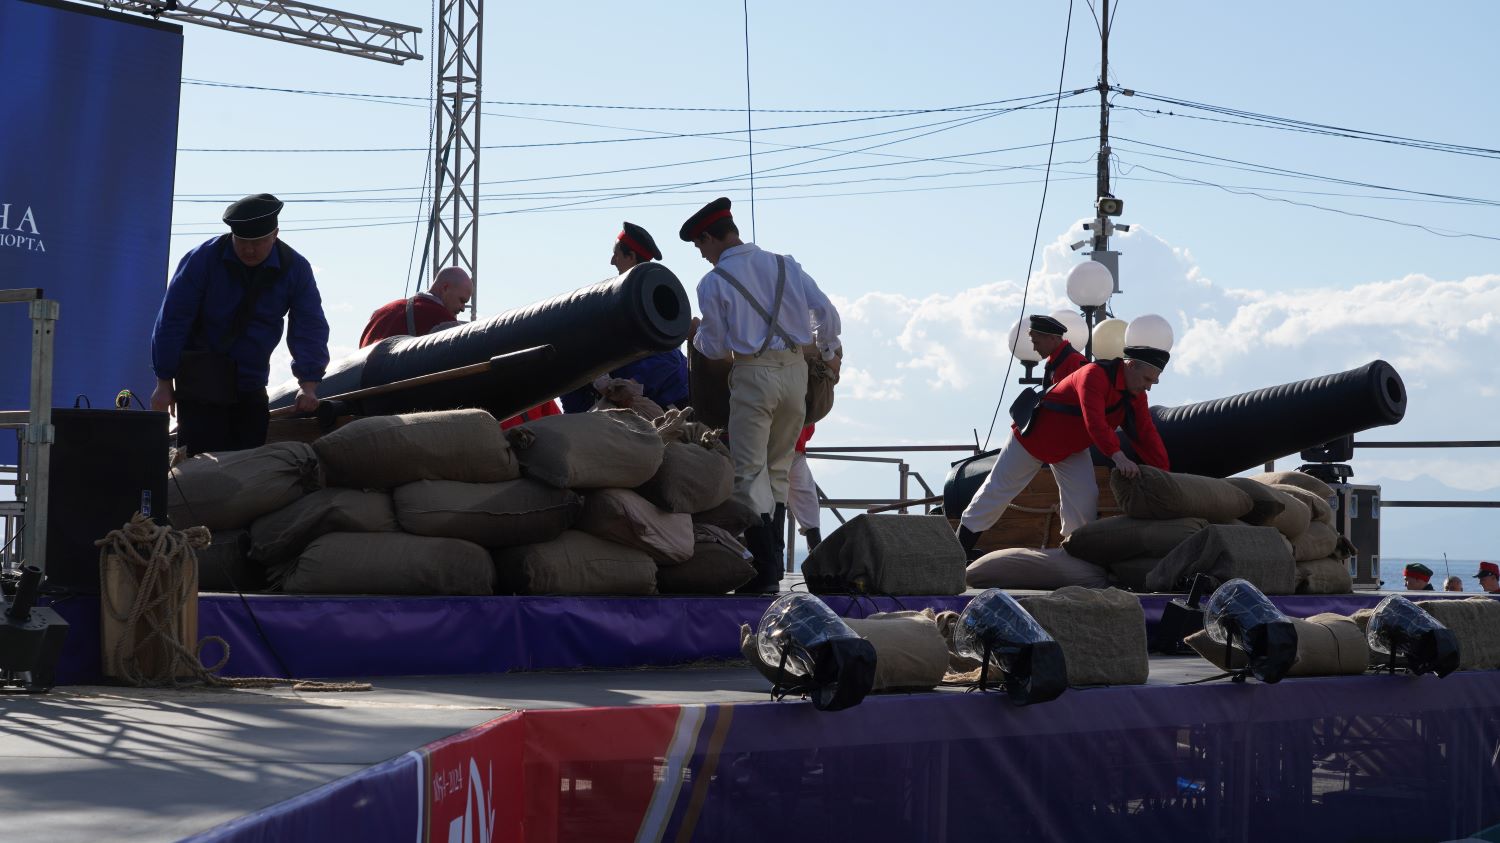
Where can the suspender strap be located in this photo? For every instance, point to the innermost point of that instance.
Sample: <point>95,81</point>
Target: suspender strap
<point>773,328</point>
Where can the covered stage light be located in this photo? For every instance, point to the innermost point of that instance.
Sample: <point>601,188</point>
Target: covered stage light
<point>817,652</point>
<point>994,625</point>
<point>1239,611</point>
<point>1400,627</point>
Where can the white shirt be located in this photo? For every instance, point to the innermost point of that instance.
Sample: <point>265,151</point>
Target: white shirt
<point>730,324</point>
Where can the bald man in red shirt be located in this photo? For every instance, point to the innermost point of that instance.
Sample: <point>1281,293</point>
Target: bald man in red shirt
<point>1082,410</point>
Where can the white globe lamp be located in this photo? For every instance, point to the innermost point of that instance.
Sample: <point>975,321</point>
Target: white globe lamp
<point>1090,284</point>
<point>1150,330</point>
<point>1109,339</point>
<point>1020,343</point>
<point>1078,329</point>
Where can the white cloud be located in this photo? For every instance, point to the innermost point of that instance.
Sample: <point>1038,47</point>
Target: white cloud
<point>859,385</point>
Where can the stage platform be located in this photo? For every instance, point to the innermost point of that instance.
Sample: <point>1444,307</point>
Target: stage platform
<point>702,754</point>
<point>315,636</point>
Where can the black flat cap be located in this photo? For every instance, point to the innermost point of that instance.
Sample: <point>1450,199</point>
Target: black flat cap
<point>638,240</point>
<point>253,217</point>
<point>1048,325</point>
<point>706,216</point>
<point>1148,355</point>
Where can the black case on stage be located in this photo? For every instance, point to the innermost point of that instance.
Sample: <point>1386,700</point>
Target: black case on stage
<point>106,466</point>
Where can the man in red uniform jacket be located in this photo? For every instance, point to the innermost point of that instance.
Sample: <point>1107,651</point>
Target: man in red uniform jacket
<point>1082,410</point>
<point>417,316</point>
<point>427,311</point>
<point>1062,358</point>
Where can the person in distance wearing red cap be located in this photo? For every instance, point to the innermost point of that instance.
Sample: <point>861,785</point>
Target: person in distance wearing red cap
<point>1418,577</point>
<point>1489,577</point>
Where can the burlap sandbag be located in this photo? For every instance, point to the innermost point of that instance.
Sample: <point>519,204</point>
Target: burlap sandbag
<point>1119,537</point>
<point>1024,567</point>
<point>1301,480</point>
<point>1294,516</point>
<point>1327,645</point>
<point>390,563</point>
<point>608,449</point>
<point>383,452</point>
<point>1329,575</point>
<point>228,490</point>
<point>280,536</point>
<point>733,516</point>
<point>910,653</point>
<point>624,517</point>
<point>223,565</point>
<point>691,479</point>
<point>575,563</point>
<point>1318,541</point>
<point>1266,504</point>
<point>1318,507</point>
<point>1159,494</point>
<point>719,565</point>
<point>888,554</point>
<point>1258,554</point>
<point>1102,633</point>
<point>1475,622</point>
<point>625,394</point>
<point>513,512</point>
<point>1131,574</point>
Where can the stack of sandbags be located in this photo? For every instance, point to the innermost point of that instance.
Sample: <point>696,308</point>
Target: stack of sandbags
<point>1129,548</point>
<point>346,539</point>
<point>575,563</point>
<point>1475,622</point>
<point>1157,494</point>
<point>1024,567</point>
<point>609,449</point>
<point>624,517</point>
<point>1327,645</point>
<point>1102,633</point>
<point>1320,552</point>
<point>503,514</point>
<point>227,491</point>
<point>720,563</point>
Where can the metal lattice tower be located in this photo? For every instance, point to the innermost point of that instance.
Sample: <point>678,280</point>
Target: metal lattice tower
<point>294,23</point>
<point>455,229</point>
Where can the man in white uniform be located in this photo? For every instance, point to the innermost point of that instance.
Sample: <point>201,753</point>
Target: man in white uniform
<point>758,309</point>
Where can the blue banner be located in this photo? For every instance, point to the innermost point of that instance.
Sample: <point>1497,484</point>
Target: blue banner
<point>87,158</point>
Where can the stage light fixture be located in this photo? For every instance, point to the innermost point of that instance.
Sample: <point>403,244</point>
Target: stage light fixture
<point>1400,627</point>
<point>1238,610</point>
<point>994,626</point>
<point>816,651</point>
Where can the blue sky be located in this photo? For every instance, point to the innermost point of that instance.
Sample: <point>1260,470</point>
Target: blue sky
<point>927,259</point>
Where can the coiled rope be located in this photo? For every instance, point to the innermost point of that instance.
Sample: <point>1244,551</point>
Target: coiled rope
<point>159,561</point>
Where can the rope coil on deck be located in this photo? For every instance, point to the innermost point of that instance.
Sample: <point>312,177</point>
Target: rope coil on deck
<point>156,560</point>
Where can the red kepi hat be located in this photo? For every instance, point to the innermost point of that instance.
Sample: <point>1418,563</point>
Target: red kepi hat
<point>1488,569</point>
<point>638,240</point>
<point>705,217</point>
<point>1417,571</point>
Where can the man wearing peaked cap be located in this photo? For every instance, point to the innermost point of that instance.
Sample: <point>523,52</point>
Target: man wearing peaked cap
<point>1062,358</point>
<point>220,321</point>
<point>1489,577</point>
<point>1082,410</point>
<point>663,377</point>
<point>1418,577</point>
<point>759,309</point>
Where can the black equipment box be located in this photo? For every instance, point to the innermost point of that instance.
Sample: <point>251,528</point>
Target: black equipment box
<point>1356,516</point>
<point>105,466</point>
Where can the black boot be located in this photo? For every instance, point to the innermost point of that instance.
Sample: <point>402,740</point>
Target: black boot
<point>778,530</point>
<point>814,538</point>
<point>761,542</point>
<point>968,538</point>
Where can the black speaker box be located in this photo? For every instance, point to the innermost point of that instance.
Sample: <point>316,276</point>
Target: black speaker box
<point>106,466</point>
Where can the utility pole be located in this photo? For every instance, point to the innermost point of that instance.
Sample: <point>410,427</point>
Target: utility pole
<point>455,210</point>
<point>1105,203</point>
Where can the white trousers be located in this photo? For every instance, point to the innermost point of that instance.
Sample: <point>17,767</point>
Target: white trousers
<point>767,402</point>
<point>1014,469</point>
<point>802,494</point>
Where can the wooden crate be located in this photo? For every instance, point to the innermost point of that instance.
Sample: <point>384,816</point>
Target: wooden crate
<point>1031,520</point>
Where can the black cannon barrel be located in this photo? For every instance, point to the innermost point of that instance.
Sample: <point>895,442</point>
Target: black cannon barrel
<point>1228,435</point>
<point>593,330</point>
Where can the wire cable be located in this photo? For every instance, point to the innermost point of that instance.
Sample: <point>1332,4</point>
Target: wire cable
<point>749,120</point>
<point>1037,233</point>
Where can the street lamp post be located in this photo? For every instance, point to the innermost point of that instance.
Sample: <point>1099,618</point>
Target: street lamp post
<point>1090,285</point>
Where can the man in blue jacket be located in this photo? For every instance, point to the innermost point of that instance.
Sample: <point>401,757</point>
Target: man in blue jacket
<point>219,323</point>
